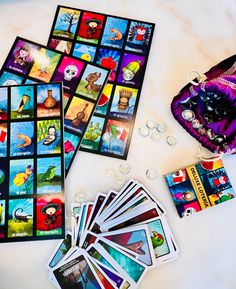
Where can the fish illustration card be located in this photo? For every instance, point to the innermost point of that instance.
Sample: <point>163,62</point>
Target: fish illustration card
<point>119,44</point>
<point>83,83</point>
<point>31,161</point>
<point>199,186</point>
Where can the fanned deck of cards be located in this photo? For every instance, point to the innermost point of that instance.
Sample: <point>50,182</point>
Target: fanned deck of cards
<point>199,186</point>
<point>113,241</point>
<point>29,62</point>
<point>121,45</point>
<point>31,163</point>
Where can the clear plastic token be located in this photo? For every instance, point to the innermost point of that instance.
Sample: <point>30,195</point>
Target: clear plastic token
<point>124,169</point>
<point>151,174</point>
<point>151,124</point>
<point>144,131</point>
<point>80,197</point>
<point>120,179</point>
<point>155,136</point>
<point>110,173</point>
<point>161,127</point>
<point>106,137</point>
<point>171,140</point>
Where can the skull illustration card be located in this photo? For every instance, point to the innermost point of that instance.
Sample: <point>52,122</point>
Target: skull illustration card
<point>31,163</point>
<point>119,44</point>
<point>83,84</point>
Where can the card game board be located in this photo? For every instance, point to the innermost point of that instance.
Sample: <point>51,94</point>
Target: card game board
<point>199,186</point>
<point>113,241</point>
<point>121,45</point>
<point>83,83</point>
<point>31,163</point>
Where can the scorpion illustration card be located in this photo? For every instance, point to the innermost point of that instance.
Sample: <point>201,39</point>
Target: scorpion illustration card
<point>83,84</point>
<point>119,44</point>
<point>31,163</point>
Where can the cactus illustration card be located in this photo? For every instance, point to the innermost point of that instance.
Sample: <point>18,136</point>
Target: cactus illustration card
<point>55,63</point>
<point>31,163</point>
<point>93,133</point>
<point>119,44</point>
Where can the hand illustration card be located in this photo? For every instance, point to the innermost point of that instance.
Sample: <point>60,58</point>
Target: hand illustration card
<point>119,44</point>
<point>83,84</point>
<point>31,162</point>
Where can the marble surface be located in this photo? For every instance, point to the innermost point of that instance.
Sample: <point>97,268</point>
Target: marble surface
<point>190,35</point>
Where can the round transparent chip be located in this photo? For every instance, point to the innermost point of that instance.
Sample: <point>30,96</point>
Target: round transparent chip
<point>151,174</point>
<point>161,127</point>
<point>80,197</point>
<point>125,169</point>
<point>155,136</point>
<point>120,179</point>
<point>151,124</point>
<point>171,140</point>
<point>144,131</point>
<point>110,173</point>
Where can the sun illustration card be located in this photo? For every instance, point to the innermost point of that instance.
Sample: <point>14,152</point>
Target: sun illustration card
<point>31,63</point>
<point>116,43</point>
<point>31,162</point>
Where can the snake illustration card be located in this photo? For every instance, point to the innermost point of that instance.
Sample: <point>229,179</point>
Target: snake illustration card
<point>31,163</point>
<point>116,43</point>
<point>83,83</point>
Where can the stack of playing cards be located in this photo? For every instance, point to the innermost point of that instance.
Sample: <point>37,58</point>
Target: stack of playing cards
<point>114,241</point>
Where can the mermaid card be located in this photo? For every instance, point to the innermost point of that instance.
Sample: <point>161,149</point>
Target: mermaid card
<point>31,162</point>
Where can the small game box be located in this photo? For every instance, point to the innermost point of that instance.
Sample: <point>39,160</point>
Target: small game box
<point>199,186</point>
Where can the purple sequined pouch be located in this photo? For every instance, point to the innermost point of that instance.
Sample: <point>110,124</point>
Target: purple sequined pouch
<point>206,107</point>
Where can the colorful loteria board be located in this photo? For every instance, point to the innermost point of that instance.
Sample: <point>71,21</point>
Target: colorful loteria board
<point>83,83</point>
<point>121,45</point>
<point>31,162</point>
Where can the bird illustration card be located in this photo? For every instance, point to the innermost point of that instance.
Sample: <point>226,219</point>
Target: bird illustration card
<point>116,43</point>
<point>83,83</point>
<point>32,163</point>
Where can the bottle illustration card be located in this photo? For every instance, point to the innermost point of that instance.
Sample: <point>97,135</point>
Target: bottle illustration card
<point>199,186</point>
<point>116,43</point>
<point>83,83</point>
<point>31,162</point>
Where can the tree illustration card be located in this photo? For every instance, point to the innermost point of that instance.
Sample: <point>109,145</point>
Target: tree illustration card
<point>83,83</point>
<point>31,162</point>
<point>121,45</point>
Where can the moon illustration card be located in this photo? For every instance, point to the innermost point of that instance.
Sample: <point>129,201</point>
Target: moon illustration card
<point>116,43</point>
<point>31,162</point>
<point>83,83</point>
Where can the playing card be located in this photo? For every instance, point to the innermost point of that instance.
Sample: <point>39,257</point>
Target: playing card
<point>136,239</point>
<point>97,252</point>
<point>76,272</point>
<point>138,215</point>
<point>132,267</point>
<point>60,251</point>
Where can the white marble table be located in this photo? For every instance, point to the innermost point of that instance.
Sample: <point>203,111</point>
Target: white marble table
<point>190,35</point>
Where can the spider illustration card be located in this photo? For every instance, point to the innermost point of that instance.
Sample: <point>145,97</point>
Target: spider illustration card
<point>31,163</point>
<point>81,81</point>
<point>116,43</point>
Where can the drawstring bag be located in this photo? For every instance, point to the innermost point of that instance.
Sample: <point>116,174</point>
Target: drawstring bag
<point>206,107</point>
